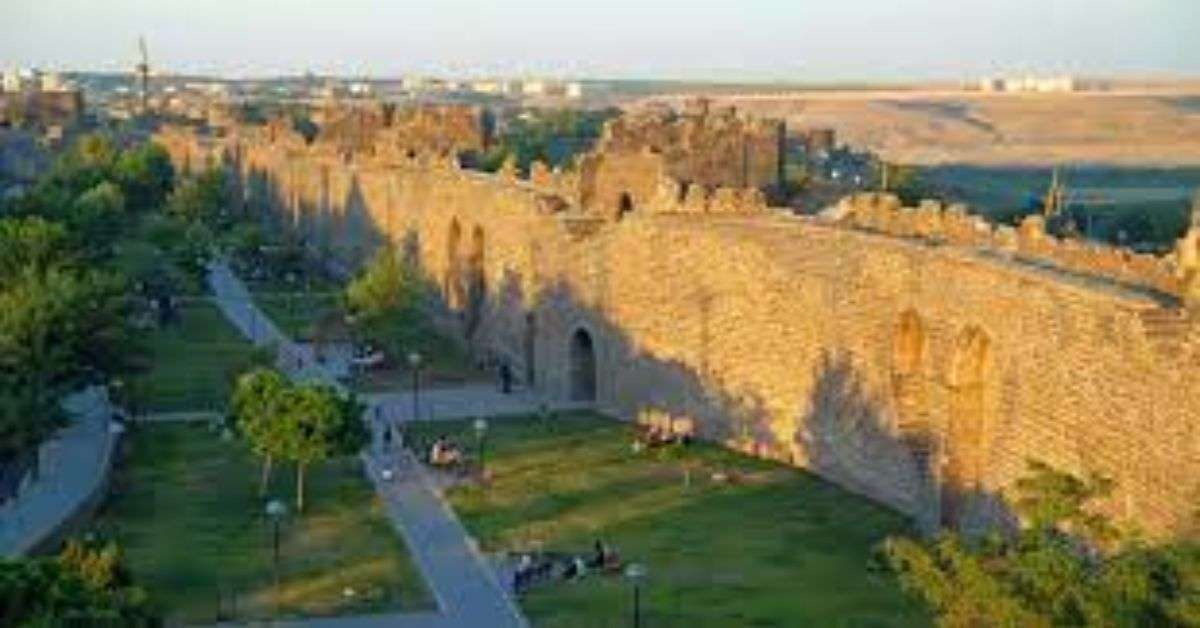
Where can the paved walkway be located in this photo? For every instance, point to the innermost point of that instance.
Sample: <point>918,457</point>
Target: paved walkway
<point>179,417</point>
<point>465,588</point>
<point>74,466</point>
<point>462,402</point>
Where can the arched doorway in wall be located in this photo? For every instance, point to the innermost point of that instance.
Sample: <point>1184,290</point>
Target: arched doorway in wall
<point>966,434</point>
<point>530,348</point>
<point>908,381</point>
<point>451,283</point>
<point>624,205</point>
<point>475,280</point>
<point>582,366</point>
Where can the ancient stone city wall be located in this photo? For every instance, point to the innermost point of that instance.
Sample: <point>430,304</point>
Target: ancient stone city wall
<point>922,376</point>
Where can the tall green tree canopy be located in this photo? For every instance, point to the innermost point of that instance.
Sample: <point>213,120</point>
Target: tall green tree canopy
<point>1065,567</point>
<point>146,176</point>
<point>298,423</point>
<point>32,244</point>
<point>86,585</point>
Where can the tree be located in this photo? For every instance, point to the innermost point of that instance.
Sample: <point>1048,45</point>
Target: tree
<point>200,200</point>
<point>146,176</point>
<point>386,303</point>
<point>87,163</point>
<point>304,423</point>
<point>320,424</point>
<point>1066,566</point>
<point>386,286</point>
<point>97,216</point>
<point>256,408</point>
<point>30,243</point>
<point>86,585</point>
<point>58,328</point>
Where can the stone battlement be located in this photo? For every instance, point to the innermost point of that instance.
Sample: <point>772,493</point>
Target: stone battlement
<point>923,376</point>
<point>1176,275</point>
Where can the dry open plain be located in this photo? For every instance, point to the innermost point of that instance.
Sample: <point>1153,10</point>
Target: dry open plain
<point>1146,127</point>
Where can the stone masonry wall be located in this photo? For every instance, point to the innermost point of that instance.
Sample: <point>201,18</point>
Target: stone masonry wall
<point>921,375</point>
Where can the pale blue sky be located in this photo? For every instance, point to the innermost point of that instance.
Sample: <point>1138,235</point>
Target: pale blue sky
<point>802,40</point>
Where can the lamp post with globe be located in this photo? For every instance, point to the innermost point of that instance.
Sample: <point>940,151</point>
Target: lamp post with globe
<point>481,428</point>
<point>414,364</point>
<point>636,573</point>
<point>276,511</point>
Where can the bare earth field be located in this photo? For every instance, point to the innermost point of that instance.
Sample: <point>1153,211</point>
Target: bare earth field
<point>1145,128</point>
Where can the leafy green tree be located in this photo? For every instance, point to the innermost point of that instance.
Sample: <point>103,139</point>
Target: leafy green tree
<point>256,408</point>
<point>246,241</point>
<point>87,163</point>
<point>304,423</point>
<point>386,287</point>
<point>58,328</point>
<point>30,243</point>
<point>86,585</point>
<point>97,216</point>
<point>320,424</point>
<point>1066,566</point>
<point>200,200</point>
<point>146,176</point>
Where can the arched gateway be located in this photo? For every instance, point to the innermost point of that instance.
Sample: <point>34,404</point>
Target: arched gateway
<point>582,366</point>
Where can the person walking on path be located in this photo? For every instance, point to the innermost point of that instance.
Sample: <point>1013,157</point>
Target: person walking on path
<point>506,378</point>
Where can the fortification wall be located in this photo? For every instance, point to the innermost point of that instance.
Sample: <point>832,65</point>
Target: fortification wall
<point>1176,275</point>
<point>711,147</point>
<point>922,375</point>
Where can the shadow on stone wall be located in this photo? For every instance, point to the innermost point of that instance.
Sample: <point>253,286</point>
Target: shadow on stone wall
<point>840,432</point>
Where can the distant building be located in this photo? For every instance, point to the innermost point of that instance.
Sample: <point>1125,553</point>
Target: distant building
<point>31,98</point>
<point>534,87</point>
<point>1029,84</point>
<point>12,81</point>
<point>413,83</point>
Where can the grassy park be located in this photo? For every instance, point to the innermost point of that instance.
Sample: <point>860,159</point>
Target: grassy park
<point>186,511</point>
<point>769,546</point>
<point>296,313</point>
<point>190,361</point>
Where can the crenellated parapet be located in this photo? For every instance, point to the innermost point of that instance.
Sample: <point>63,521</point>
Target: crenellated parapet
<point>931,221</point>
<point>905,366</point>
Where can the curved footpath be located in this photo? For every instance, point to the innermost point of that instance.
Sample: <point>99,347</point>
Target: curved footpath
<point>74,470</point>
<point>467,592</point>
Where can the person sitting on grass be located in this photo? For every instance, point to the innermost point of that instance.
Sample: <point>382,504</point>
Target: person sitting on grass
<point>522,574</point>
<point>444,453</point>
<point>599,553</point>
<point>575,569</point>
<point>655,436</point>
<point>604,558</point>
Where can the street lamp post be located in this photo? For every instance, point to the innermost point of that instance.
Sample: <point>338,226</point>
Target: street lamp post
<point>276,510</point>
<point>414,363</point>
<point>636,572</point>
<point>481,426</point>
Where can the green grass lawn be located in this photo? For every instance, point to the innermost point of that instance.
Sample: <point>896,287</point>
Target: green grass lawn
<point>773,547</point>
<point>295,314</point>
<point>186,511</point>
<point>444,363</point>
<point>190,361</point>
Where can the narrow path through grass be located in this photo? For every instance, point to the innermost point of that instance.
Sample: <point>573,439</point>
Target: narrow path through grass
<point>769,546</point>
<point>191,361</point>
<point>187,513</point>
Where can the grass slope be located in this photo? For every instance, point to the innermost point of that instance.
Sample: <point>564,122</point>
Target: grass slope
<point>190,361</point>
<point>776,547</point>
<point>187,513</point>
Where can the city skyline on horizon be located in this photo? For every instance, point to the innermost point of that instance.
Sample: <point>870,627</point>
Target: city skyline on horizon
<point>855,41</point>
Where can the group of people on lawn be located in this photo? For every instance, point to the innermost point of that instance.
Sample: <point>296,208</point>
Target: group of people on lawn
<point>530,571</point>
<point>657,429</point>
<point>444,452</point>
